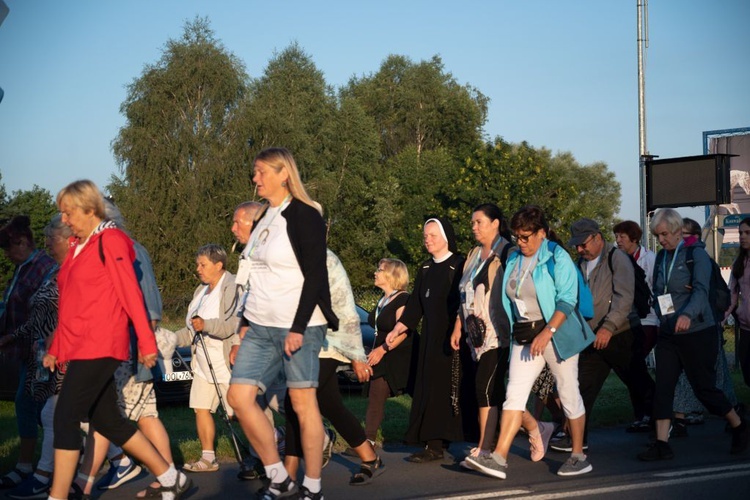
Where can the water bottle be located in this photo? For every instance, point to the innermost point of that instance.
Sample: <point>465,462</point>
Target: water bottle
<point>42,373</point>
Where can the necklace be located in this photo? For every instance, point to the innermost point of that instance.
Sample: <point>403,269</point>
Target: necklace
<point>263,235</point>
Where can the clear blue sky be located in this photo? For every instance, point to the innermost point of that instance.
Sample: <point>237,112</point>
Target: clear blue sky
<point>562,75</point>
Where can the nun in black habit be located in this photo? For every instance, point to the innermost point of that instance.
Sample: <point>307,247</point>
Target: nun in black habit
<point>435,419</point>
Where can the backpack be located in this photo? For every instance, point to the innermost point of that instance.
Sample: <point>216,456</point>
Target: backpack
<point>642,292</point>
<point>585,299</point>
<point>718,292</point>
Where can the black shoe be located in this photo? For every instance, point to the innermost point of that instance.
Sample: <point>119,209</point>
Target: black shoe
<point>565,445</point>
<point>250,472</point>
<point>679,428</point>
<point>424,456</point>
<point>740,438</point>
<point>660,450</point>
<point>642,425</point>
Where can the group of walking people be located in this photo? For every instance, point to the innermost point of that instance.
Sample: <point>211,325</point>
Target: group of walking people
<point>272,336</point>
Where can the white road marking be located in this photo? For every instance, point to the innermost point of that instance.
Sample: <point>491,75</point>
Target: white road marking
<point>698,475</point>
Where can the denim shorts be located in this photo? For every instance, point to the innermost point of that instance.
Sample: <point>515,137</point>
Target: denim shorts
<point>261,359</point>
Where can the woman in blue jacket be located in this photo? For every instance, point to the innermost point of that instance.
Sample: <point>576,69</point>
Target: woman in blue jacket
<point>541,293</point>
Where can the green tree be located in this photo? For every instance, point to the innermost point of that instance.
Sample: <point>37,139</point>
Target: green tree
<point>427,124</point>
<point>421,105</point>
<point>513,175</point>
<point>172,154</point>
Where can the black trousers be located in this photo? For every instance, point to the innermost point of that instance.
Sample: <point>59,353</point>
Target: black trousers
<point>624,356</point>
<point>743,355</point>
<point>88,392</point>
<point>331,407</point>
<point>695,353</point>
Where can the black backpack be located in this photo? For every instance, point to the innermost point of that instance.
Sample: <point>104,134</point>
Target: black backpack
<point>718,292</point>
<point>642,292</point>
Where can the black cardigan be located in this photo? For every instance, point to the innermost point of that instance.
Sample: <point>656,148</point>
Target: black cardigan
<point>307,234</point>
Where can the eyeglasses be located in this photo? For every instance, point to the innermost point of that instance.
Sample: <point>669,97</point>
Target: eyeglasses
<point>379,271</point>
<point>523,238</point>
<point>585,243</point>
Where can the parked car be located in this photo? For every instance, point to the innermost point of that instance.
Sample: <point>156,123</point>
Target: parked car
<point>174,387</point>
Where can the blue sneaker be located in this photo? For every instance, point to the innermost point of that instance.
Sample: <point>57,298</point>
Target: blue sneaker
<point>31,487</point>
<point>116,476</point>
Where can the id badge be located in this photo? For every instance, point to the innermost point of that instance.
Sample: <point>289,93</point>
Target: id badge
<point>469,297</point>
<point>243,272</point>
<point>521,306</point>
<point>666,306</point>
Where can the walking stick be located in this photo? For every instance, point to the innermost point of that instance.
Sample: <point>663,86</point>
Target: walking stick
<point>225,415</point>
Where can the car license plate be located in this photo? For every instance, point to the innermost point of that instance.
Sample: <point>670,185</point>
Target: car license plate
<point>176,376</point>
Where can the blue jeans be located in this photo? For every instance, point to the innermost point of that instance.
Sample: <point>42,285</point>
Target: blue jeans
<point>261,358</point>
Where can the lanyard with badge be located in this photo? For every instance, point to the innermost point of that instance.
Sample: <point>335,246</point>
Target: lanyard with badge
<point>243,271</point>
<point>520,278</point>
<point>666,305</point>
<point>467,295</point>
<point>384,301</point>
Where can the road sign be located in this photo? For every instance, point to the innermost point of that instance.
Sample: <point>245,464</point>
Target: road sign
<point>733,220</point>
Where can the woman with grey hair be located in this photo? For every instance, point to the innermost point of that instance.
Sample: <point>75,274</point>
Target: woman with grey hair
<point>687,335</point>
<point>211,314</point>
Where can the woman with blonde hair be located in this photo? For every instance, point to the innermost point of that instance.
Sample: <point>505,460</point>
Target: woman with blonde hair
<point>288,309</point>
<point>391,365</point>
<point>99,298</point>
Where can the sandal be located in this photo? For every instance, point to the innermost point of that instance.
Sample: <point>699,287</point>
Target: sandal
<point>176,489</point>
<point>150,491</point>
<point>201,465</point>
<point>13,479</point>
<point>367,472</point>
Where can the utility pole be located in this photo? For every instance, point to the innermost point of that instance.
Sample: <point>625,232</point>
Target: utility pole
<point>642,6</point>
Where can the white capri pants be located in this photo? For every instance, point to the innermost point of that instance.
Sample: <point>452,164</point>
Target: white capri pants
<point>524,370</point>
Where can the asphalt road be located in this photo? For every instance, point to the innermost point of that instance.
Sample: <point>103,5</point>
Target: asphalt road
<point>702,468</point>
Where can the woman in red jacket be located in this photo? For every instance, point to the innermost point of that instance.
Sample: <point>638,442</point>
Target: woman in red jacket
<point>99,296</point>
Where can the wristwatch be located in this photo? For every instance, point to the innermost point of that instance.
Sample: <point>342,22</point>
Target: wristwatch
<point>552,329</point>
<point>386,347</point>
